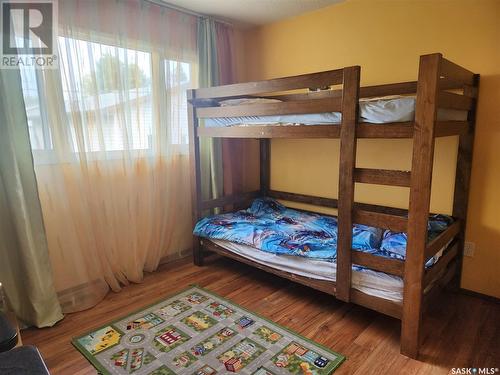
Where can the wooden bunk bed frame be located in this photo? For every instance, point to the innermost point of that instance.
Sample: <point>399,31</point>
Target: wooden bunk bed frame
<point>440,84</point>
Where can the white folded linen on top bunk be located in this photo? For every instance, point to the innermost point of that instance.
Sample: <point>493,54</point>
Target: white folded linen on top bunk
<point>374,283</point>
<point>374,110</point>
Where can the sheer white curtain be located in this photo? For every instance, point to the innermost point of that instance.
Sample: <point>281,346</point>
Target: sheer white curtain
<point>109,138</point>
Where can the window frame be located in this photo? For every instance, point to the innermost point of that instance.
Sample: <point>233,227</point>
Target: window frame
<point>48,154</point>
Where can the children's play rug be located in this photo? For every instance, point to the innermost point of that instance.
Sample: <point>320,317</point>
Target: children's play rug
<point>198,332</point>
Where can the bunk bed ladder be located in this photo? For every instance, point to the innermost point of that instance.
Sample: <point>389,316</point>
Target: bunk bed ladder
<point>436,75</point>
<point>348,141</point>
<point>419,182</point>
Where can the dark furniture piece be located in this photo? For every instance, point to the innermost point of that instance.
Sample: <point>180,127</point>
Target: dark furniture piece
<point>24,360</point>
<point>8,334</point>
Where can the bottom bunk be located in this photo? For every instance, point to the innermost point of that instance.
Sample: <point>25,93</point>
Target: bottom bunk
<point>301,246</point>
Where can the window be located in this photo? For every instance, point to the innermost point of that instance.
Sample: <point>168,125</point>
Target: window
<point>36,111</point>
<point>107,96</point>
<point>109,102</point>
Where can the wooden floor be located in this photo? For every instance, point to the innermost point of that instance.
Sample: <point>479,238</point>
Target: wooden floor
<point>463,331</point>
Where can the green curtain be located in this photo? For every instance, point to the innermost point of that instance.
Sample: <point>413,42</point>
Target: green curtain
<point>25,270</point>
<point>210,148</point>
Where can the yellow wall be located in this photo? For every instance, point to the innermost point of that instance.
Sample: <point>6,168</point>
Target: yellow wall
<point>386,38</point>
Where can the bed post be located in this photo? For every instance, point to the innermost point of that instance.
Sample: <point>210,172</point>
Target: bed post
<point>420,193</point>
<point>194,161</point>
<point>265,166</point>
<point>463,175</point>
<point>348,141</point>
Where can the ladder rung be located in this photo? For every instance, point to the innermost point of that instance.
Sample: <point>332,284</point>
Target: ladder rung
<point>376,262</point>
<point>382,177</point>
<point>381,220</point>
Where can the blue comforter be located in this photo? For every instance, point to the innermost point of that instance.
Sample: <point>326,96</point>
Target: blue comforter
<point>269,226</point>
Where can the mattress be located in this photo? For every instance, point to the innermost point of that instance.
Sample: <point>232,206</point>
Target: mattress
<point>305,243</point>
<point>272,227</point>
<point>374,283</point>
<point>374,111</point>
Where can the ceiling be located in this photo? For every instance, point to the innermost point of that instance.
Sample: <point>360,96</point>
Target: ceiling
<point>248,13</point>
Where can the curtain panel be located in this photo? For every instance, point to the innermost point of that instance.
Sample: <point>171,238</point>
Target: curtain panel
<point>222,160</point>
<point>210,148</point>
<point>25,270</point>
<point>109,137</point>
<point>233,150</point>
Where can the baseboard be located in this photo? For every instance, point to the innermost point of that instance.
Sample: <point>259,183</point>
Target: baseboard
<point>479,295</point>
<point>84,290</point>
<point>181,256</point>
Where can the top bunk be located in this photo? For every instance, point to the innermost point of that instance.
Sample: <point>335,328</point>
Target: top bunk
<point>312,106</point>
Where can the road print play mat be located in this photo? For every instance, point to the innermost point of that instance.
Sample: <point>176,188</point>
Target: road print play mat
<point>198,332</point>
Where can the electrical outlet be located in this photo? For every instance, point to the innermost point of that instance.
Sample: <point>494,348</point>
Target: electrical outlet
<point>469,248</point>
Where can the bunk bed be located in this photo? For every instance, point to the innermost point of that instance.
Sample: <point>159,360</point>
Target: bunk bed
<point>442,102</point>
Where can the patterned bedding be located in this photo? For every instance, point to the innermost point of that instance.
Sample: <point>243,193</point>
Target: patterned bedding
<point>269,226</point>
